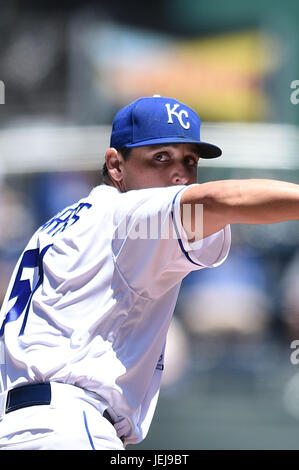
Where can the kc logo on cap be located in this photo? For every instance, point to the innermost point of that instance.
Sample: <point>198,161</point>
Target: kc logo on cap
<point>172,112</point>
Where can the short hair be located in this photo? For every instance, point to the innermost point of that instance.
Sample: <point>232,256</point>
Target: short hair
<point>125,151</point>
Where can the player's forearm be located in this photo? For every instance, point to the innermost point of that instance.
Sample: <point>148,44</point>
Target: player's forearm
<point>252,201</point>
<point>258,201</point>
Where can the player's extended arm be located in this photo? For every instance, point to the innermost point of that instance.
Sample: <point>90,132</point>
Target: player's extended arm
<point>251,201</point>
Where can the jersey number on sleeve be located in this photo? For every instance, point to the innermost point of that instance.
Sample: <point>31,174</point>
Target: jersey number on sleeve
<point>23,289</point>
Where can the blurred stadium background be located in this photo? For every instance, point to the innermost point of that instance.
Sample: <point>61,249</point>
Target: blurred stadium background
<point>67,68</point>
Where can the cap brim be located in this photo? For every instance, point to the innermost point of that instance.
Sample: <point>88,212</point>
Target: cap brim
<point>206,150</point>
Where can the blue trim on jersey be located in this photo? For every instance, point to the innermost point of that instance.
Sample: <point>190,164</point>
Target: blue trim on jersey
<point>177,232</point>
<point>88,433</point>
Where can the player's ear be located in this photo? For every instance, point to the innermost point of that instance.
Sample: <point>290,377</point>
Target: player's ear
<point>113,162</point>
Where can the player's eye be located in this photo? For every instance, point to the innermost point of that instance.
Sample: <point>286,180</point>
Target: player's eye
<point>162,157</point>
<point>191,161</point>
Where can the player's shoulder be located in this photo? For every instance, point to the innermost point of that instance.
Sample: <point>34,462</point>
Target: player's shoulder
<point>144,194</point>
<point>112,195</point>
<point>114,201</point>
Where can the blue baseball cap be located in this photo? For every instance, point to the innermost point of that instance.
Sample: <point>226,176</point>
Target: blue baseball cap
<point>159,120</point>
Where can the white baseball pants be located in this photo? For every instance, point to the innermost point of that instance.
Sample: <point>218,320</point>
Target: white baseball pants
<point>72,421</point>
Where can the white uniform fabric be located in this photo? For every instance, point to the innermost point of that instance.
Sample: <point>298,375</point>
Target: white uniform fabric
<point>91,299</point>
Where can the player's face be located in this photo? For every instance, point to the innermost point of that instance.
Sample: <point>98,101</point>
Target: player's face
<point>160,165</point>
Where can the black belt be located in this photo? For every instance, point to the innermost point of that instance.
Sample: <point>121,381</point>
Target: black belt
<point>31,395</point>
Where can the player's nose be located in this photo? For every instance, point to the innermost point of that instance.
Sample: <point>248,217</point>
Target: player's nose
<point>180,176</point>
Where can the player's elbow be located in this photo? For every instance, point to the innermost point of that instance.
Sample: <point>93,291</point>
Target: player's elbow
<point>218,201</point>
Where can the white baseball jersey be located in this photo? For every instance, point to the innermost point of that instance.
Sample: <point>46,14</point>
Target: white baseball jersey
<point>91,298</point>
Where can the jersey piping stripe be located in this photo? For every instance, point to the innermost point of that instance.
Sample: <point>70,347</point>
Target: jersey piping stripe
<point>87,431</point>
<point>177,232</point>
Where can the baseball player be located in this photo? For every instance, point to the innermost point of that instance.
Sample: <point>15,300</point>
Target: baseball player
<point>84,321</point>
